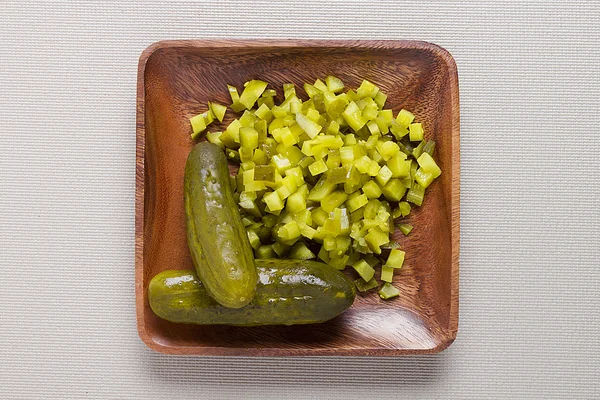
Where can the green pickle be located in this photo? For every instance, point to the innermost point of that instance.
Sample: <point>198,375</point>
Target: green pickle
<point>288,292</point>
<point>217,238</point>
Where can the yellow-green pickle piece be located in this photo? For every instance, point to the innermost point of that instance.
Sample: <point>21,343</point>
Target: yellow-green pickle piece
<point>217,238</point>
<point>288,292</point>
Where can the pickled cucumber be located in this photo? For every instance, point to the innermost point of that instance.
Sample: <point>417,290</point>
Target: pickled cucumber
<point>217,239</point>
<point>288,292</point>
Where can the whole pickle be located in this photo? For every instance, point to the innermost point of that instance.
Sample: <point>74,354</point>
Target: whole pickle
<point>288,292</point>
<point>216,236</point>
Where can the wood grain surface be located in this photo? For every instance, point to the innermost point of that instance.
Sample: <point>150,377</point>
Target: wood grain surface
<point>177,78</point>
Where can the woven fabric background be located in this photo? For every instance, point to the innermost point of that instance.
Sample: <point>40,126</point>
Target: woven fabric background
<point>530,200</point>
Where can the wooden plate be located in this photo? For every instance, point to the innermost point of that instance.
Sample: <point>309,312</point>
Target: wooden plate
<point>177,78</point>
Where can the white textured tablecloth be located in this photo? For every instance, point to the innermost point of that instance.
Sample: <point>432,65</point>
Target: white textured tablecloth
<point>530,200</point>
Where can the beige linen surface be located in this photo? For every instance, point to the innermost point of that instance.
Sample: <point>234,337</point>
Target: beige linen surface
<point>530,237</point>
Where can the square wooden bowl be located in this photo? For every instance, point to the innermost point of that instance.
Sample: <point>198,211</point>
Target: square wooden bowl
<point>177,78</point>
